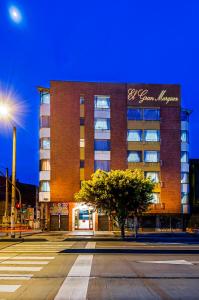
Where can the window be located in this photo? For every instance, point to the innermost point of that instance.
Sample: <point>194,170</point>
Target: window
<point>102,124</point>
<point>184,115</point>
<point>81,121</point>
<point>102,165</point>
<point>154,176</point>
<point>45,143</point>
<point>44,165</point>
<point>156,198</point>
<point>134,156</point>
<point>81,163</point>
<point>134,135</point>
<point>184,157</point>
<point>44,121</point>
<point>45,98</point>
<point>81,100</point>
<point>102,102</point>
<point>151,156</point>
<point>44,186</point>
<point>102,145</point>
<point>82,143</point>
<point>152,135</point>
<point>151,114</point>
<point>134,114</point>
<point>184,198</point>
<point>184,136</point>
<point>184,177</point>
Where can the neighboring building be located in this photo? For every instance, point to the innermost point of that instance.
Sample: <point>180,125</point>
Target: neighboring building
<point>28,197</point>
<point>194,193</point>
<point>85,126</point>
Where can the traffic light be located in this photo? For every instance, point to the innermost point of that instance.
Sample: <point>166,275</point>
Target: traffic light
<point>17,205</point>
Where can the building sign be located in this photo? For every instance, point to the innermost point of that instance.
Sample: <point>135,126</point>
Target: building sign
<point>59,208</point>
<point>143,95</point>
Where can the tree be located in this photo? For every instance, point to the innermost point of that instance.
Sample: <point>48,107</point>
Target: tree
<point>119,193</point>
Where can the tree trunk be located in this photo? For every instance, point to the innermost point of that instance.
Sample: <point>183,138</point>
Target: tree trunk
<point>123,230</point>
<point>136,226</point>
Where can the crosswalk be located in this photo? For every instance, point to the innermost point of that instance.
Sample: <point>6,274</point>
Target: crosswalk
<point>33,247</point>
<point>16,268</point>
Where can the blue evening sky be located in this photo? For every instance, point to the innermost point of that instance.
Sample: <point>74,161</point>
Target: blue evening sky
<point>141,41</point>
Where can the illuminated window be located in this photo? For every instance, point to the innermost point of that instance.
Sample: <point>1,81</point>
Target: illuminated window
<point>102,124</point>
<point>151,156</point>
<point>151,114</point>
<point>102,145</point>
<point>152,135</point>
<point>184,156</point>
<point>45,98</point>
<point>134,156</point>
<point>156,198</point>
<point>44,122</point>
<point>134,114</point>
<point>184,177</point>
<point>134,136</point>
<point>102,102</point>
<point>44,165</point>
<point>184,198</point>
<point>82,143</point>
<point>44,186</point>
<point>102,165</point>
<point>154,176</point>
<point>184,136</point>
<point>45,143</point>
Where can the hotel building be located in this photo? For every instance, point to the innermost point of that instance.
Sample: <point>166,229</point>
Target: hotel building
<point>85,126</point>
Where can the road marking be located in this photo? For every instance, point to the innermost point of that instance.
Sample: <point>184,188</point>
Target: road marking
<point>9,288</point>
<point>172,262</point>
<point>35,269</point>
<point>90,245</point>
<point>75,285</point>
<point>15,276</point>
<point>5,257</point>
<point>25,262</point>
<point>31,257</point>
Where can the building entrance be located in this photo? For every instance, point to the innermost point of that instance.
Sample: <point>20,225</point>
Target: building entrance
<point>83,218</point>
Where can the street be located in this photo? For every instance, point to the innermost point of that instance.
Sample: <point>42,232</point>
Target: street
<point>57,268</point>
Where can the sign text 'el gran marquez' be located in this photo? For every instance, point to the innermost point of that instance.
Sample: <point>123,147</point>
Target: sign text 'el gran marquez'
<point>143,95</point>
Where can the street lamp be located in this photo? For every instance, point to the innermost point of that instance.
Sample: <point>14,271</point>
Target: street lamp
<point>5,114</point>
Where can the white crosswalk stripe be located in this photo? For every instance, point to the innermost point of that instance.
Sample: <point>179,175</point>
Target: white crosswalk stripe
<point>16,264</point>
<point>33,247</point>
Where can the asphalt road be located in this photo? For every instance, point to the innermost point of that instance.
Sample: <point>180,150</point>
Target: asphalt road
<point>58,269</point>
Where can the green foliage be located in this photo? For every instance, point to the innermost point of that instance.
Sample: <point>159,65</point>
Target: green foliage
<point>119,193</point>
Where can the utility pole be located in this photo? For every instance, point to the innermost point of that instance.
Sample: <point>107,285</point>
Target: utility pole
<point>13,183</point>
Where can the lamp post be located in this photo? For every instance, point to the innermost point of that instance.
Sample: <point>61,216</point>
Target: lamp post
<point>13,198</point>
<point>5,114</point>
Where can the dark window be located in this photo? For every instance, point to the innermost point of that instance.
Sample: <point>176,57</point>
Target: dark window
<point>81,121</point>
<point>102,165</point>
<point>151,114</point>
<point>134,114</point>
<point>184,115</point>
<point>44,121</point>
<point>102,145</point>
<point>81,100</point>
<point>81,163</point>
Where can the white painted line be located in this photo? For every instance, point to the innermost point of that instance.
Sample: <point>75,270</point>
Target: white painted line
<point>23,262</point>
<point>6,275</point>
<point>15,277</point>
<point>5,257</point>
<point>75,285</point>
<point>172,262</point>
<point>31,257</point>
<point>90,245</point>
<point>32,269</point>
<point>8,288</point>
